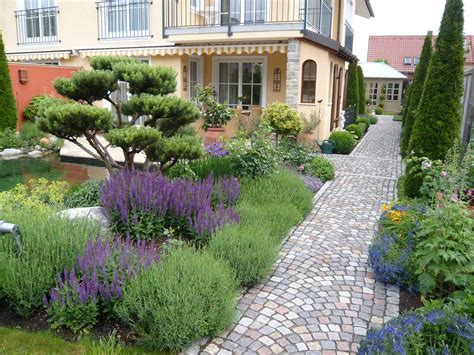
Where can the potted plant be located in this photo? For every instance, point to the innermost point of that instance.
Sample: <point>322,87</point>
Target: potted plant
<point>214,114</point>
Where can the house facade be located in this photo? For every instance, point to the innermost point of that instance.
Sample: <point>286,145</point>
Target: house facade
<point>403,52</point>
<point>254,52</point>
<point>383,85</point>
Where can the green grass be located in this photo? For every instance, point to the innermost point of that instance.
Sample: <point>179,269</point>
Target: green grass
<point>15,341</point>
<point>397,118</point>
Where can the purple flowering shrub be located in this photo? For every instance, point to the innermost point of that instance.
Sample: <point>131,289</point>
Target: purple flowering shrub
<point>216,150</point>
<point>143,205</point>
<point>95,283</point>
<point>426,331</point>
<point>312,183</point>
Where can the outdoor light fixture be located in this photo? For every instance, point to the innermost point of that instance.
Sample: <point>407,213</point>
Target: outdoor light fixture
<point>277,80</point>
<point>14,231</point>
<point>23,76</point>
<point>185,78</point>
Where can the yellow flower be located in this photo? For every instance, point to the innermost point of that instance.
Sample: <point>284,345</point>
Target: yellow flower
<point>385,207</point>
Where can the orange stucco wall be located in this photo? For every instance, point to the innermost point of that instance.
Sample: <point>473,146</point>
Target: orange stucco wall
<point>40,81</point>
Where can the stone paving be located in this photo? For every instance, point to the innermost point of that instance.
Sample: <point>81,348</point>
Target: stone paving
<point>321,296</point>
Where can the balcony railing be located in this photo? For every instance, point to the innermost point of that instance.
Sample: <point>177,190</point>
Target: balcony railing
<point>36,26</point>
<point>349,37</point>
<point>127,20</point>
<point>207,16</point>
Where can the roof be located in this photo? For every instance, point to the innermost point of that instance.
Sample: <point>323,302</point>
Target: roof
<point>364,8</point>
<point>380,71</point>
<point>395,48</point>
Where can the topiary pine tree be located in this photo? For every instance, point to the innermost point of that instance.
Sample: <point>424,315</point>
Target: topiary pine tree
<point>438,118</point>
<point>416,91</point>
<point>361,86</point>
<point>352,97</point>
<point>8,111</point>
<point>150,88</point>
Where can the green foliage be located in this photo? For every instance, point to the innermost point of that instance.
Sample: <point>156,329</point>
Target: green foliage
<point>293,153</point>
<point>255,158</point>
<point>322,168</point>
<point>363,126</point>
<point>85,195</point>
<point>373,119</point>
<point>445,257</point>
<point>268,208</point>
<point>8,112</point>
<point>415,93</point>
<point>107,62</point>
<point>438,118</point>
<point>352,97</point>
<point>188,296</point>
<point>344,142</point>
<point>216,166</point>
<point>30,135</point>
<point>356,130</point>
<point>282,119</point>
<point>86,85</point>
<point>378,111</point>
<point>146,79</point>
<point>311,122</point>
<point>365,120</point>
<point>49,244</point>
<point>414,177</point>
<point>361,86</point>
<point>214,114</point>
<point>31,111</point>
<point>168,151</point>
<point>9,139</point>
<point>73,315</point>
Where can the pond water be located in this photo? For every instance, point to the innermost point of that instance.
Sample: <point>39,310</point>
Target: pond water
<point>20,171</point>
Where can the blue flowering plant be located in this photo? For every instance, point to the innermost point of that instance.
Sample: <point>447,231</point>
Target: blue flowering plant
<point>426,331</point>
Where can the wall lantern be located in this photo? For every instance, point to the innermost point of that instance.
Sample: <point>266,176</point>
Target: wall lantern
<point>277,80</point>
<point>185,78</point>
<point>23,76</point>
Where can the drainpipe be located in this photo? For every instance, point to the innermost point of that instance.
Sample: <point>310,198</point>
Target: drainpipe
<point>14,231</point>
<point>339,22</point>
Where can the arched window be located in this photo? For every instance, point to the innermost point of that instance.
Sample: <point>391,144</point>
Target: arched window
<point>308,82</point>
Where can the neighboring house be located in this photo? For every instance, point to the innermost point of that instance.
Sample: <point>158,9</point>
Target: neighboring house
<point>381,80</point>
<point>257,51</point>
<point>467,127</point>
<point>403,52</point>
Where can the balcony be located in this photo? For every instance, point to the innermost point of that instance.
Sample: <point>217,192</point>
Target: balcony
<point>130,19</point>
<point>37,26</point>
<point>183,17</point>
<point>349,37</point>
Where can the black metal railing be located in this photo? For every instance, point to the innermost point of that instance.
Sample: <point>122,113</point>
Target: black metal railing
<point>37,25</point>
<point>128,20</point>
<point>235,15</point>
<point>350,115</point>
<point>349,37</point>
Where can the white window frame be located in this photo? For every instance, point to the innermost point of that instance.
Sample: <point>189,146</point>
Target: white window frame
<point>267,14</point>
<point>407,60</point>
<point>373,93</point>
<point>200,74</point>
<point>241,59</point>
<point>416,60</point>
<point>41,39</point>
<point>127,32</point>
<point>390,91</point>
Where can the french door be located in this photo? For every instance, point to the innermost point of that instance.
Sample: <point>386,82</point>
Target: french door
<point>235,12</point>
<point>41,19</point>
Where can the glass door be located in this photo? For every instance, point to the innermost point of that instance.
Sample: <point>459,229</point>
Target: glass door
<point>254,11</point>
<point>230,12</point>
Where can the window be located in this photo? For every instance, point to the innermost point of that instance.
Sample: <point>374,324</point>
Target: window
<point>319,16</point>
<point>308,82</point>
<point>393,91</point>
<point>416,60</point>
<point>373,93</point>
<point>123,18</point>
<point>195,76</point>
<point>37,21</point>
<point>407,61</point>
<point>240,80</point>
<point>254,11</point>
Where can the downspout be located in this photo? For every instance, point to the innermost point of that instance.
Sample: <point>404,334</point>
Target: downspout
<point>339,22</point>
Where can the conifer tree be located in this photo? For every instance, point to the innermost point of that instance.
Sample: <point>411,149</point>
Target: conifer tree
<point>416,92</point>
<point>8,112</point>
<point>438,118</point>
<point>352,97</point>
<point>361,85</point>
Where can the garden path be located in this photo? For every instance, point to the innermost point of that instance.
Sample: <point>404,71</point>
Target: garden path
<point>321,296</point>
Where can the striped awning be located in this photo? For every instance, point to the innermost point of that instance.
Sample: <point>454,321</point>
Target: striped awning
<point>191,50</point>
<point>18,57</point>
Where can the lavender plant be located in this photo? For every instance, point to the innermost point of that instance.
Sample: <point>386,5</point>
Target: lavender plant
<point>216,150</point>
<point>143,205</point>
<point>96,282</point>
<point>312,183</point>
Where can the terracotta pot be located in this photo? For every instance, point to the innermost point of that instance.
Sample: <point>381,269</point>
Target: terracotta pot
<point>213,135</point>
<point>439,195</point>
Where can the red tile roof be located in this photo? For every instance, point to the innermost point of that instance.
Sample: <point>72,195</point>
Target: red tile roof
<point>396,48</point>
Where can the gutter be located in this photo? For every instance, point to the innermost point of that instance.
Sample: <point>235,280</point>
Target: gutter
<point>369,7</point>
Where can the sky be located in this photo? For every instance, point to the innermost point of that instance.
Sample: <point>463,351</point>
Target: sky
<point>405,17</point>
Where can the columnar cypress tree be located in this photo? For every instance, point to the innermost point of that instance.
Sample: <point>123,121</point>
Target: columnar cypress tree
<point>8,113</point>
<point>438,118</point>
<point>361,85</point>
<point>352,97</point>
<point>407,105</point>
<point>416,92</point>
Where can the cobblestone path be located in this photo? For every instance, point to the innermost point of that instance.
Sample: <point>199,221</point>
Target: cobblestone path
<point>321,297</point>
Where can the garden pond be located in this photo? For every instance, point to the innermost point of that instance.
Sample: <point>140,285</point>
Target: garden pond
<point>20,171</point>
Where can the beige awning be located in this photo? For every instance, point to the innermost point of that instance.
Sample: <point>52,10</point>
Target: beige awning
<point>18,57</point>
<point>192,50</point>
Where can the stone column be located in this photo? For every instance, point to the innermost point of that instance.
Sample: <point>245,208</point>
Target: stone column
<point>292,72</point>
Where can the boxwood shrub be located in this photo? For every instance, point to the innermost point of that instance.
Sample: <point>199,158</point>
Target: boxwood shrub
<point>188,296</point>
<point>378,111</point>
<point>322,168</point>
<point>345,142</point>
<point>356,130</point>
<point>365,120</point>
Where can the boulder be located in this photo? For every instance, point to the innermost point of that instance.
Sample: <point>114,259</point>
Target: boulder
<point>45,142</point>
<point>35,154</point>
<point>95,214</point>
<point>11,152</point>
